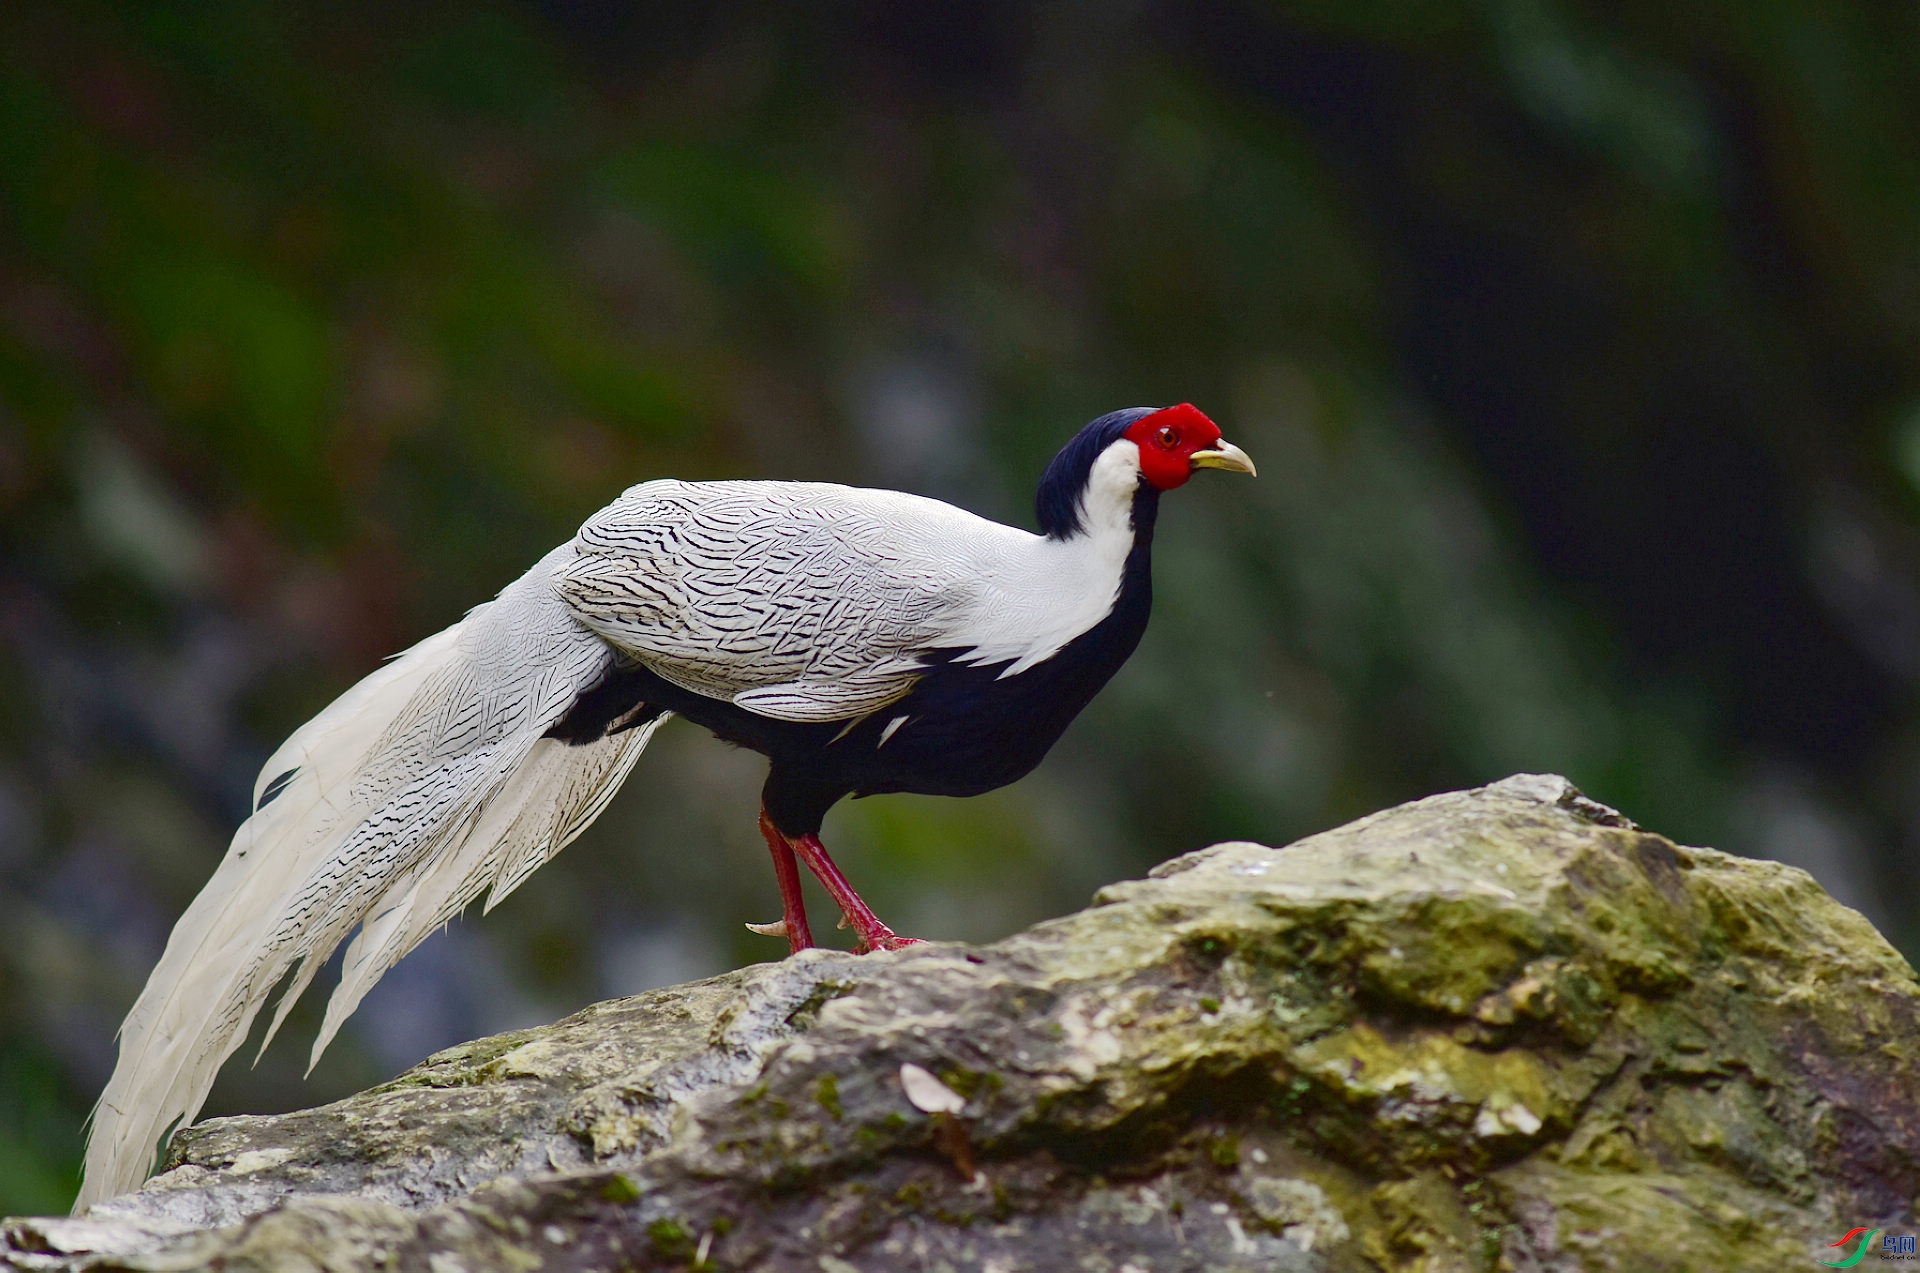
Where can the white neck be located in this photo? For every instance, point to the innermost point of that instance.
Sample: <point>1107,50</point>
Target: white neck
<point>1056,589</point>
<point>1106,506</point>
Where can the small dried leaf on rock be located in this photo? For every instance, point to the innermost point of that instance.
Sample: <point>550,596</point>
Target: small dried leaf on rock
<point>927,1093</point>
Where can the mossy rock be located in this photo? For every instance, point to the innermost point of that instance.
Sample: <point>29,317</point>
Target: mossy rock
<point>1501,1029</point>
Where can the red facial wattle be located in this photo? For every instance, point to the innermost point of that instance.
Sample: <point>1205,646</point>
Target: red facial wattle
<point>1167,440</point>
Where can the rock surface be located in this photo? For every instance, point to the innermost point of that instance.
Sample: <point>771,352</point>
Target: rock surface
<point>1497,1029</point>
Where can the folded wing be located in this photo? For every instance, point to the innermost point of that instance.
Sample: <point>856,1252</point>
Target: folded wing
<point>799,601</point>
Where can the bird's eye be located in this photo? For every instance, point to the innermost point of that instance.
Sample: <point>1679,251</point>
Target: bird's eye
<point>1168,438</point>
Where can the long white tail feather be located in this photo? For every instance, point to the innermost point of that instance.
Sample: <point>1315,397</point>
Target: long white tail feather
<point>416,790</point>
<point>583,790</point>
<point>536,813</point>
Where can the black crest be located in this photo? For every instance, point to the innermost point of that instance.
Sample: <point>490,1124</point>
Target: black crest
<point>1057,503</point>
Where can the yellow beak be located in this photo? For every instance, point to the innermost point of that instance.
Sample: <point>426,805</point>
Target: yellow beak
<point>1224,455</point>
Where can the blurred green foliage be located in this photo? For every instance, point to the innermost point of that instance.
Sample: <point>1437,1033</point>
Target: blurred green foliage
<point>1575,344</point>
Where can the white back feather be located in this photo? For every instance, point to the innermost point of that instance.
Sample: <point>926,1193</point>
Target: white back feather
<point>807,601</point>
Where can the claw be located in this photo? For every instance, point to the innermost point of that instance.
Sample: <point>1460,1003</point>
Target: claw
<point>778,928</point>
<point>887,942</point>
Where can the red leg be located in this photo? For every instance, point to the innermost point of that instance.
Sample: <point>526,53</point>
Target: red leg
<point>873,934</point>
<point>793,906</point>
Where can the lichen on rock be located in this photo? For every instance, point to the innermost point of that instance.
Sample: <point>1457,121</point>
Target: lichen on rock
<point>1497,1029</point>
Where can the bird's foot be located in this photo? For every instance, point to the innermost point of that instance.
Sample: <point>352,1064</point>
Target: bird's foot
<point>888,943</point>
<point>870,933</point>
<point>873,934</point>
<point>883,938</point>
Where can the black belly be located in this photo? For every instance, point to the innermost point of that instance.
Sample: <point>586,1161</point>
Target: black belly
<point>968,730</point>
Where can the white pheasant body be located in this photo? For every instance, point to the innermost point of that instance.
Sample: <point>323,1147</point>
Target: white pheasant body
<point>460,766</point>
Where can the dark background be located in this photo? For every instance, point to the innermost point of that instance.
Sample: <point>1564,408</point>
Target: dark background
<point>1578,344</point>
